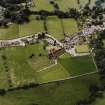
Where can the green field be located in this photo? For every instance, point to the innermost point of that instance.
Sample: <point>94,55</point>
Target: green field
<point>18,68</point>
<point>70,26</point>
<point>67,67</point>
<point>77,65</point>
<point>60,93</point>
<point>54,24</point>
<point>82,48</point>
<point>54,27</point>
<point>8,33</point>
<point>22,68</point>
<point>32,27</point>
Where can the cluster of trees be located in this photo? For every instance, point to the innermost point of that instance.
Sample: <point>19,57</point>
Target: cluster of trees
<point>55,5</point>
<point>100,55</point>
<point>95,12</point>
<point>72,13</point>
<point>5,64</point>
<point>25,86</point>
<point>14,12</point>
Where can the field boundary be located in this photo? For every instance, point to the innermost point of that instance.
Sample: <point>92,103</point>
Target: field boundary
<point>47,67</point>
<point>68,78</point>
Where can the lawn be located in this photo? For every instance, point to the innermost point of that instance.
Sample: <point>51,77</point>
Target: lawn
<point>60,93</point>
<point>43,5</point>
<point>65,5</point>
<point>54,27</point>
<point>24,68</point>
<point>8,33</point>
<point>70,26</point>
<point>33,26</point>
<point>55,73</point>
<point>82,48</point>
<point>15,31</point>
<point>77,65</point>
<point>54,24</point>
<point>67,67</point>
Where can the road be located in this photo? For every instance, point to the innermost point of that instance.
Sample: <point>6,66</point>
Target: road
<point>67,44</point>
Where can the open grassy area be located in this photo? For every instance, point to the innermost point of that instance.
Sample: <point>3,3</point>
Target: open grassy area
<point>43,4</point>
<point>77,65</point>
<point>60,93</point>
<point>21,66</point>
<point>82,48</point>
<point>21,69</point>
<point>55,73</point>
<point>70,26</point>
<point>33,26</point>
<point>54,27</point>
<point>67,67</point>
<point>10,32</point>
<point>65,5</point>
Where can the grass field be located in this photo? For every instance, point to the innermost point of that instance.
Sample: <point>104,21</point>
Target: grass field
<point>8,33</point>
<point>53,23</point>
<point>60,93</point>
<point>54,27</point>
<point>21,69</point>
<point>64,5</point>
<point>33,26</point>
<point>70,26</point>
<point>45,4</point>
<point>77,65</point>
<point>21,66</point>
<point>55,73</point>
<point>67,67</point>
<point>82,48</point>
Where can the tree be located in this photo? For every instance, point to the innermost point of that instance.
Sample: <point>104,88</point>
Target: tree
<point>78,1</point>
<point>2,92</point>
<point>89,1</point>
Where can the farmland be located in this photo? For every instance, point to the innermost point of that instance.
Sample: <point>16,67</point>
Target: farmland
<point>64,83</point>
<point>63,93</point>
